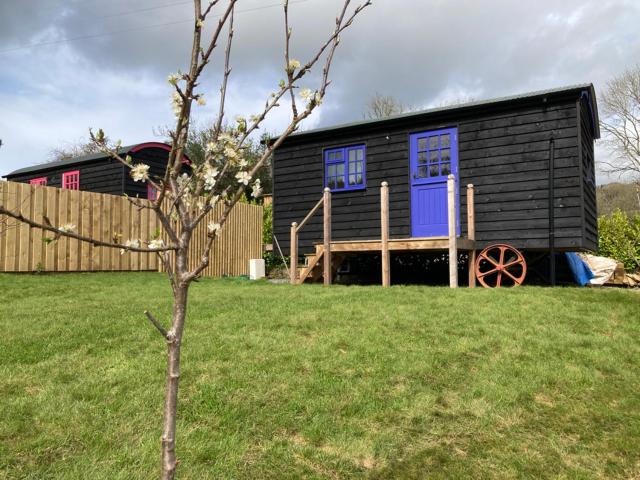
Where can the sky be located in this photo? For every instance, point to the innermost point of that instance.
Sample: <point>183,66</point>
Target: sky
<point>67,65</point>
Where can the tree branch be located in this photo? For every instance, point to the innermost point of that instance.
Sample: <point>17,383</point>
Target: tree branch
<point>158,325</point>
<point>93,241</point>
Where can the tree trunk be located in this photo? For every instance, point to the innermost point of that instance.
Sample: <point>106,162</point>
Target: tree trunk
<point>174,342</point>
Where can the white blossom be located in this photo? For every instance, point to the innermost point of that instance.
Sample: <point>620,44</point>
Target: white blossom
<point>183,180</point>
<point>231,152</point>
<point>214,200</point>
<point>225,138</point>
<point>243,177</point>
<point>306,94</point>
<point>173,79</point>
<point>199,23</point>
<point>156,244</point>
<point>140,172</point>
<point>176,103</point>
<point>130,243</point>
<point>211,147</point>
<point>209,177</point>
<point>213,228</point>
<point>256,189</point>
<point>293,65</point>
<point>200,100</point>
<point>69,227</point>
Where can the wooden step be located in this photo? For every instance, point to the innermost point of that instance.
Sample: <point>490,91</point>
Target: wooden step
<point>312,262</point>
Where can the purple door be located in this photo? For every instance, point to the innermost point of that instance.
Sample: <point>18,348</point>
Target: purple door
<point>433,156</point>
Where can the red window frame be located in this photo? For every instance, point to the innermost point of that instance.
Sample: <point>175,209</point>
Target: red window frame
<point>38,181</point>
<point>71,180</point>
<point>152,193</point>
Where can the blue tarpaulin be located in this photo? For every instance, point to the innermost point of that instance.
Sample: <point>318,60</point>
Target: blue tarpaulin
<point>580,270</point>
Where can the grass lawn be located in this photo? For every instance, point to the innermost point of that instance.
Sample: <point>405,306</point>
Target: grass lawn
<point>307,382</point>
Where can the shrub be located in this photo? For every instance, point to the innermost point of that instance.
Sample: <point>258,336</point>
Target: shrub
<point>620,238</point>
<point>267,224</point>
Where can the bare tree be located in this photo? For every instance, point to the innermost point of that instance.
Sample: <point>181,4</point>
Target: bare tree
<point>184,200</point>
<point>73,149</point>
<point>621,124</point>
<point>382,106</point>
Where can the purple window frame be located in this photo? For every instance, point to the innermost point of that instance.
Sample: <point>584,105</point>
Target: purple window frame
<point>345,163</point>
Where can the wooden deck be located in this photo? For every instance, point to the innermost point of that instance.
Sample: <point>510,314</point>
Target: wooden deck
<point>401,244</point>
<point>332,252</point>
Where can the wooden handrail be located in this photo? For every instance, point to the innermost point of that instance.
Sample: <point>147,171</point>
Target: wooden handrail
<point>311,213</point>
<point>325,201</point>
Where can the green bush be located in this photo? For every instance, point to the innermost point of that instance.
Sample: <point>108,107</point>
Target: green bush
<point>620,238</point>
<point>272,260</point>
<point>267,224</point>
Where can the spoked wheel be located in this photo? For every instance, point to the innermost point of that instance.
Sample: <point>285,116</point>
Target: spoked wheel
<point>500,265</point>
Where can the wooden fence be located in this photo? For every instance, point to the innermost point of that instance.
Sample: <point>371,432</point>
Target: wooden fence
<point>108,217</point>
<point>239,241</point>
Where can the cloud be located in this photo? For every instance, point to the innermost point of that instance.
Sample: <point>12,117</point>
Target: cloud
<point>424,53</point>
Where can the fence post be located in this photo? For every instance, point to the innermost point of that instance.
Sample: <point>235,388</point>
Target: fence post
<point>471,233</point>
<point>453,247</point>
<point>327,235</point>
<point>384,228</point>
<point>293,272</point>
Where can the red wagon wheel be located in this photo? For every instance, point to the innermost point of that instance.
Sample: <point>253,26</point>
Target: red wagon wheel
<point>500,265</point>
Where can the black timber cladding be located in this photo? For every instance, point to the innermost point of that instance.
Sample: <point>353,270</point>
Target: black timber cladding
<point>503,150</point>
<point>99,173</point>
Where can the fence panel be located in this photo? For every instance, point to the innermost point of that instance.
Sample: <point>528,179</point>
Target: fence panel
<point>239,240</point>
<point>107,218</point>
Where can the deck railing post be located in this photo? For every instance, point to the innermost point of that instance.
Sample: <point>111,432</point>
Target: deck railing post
<point>293,273</point>
<point>384,233</point>
<point>453,246</point>
<point>471,233</point>
<point>327,236</point>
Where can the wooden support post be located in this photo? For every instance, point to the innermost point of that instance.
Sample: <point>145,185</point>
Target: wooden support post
<point>384,233</point>
<point>327,236</point>
<point>471,234</point>
<point>293,273</point>
<point>453,247</point>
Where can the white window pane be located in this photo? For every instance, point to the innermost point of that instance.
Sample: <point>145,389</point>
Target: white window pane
<point>360,154</point>
<point>352,155</point>
<point>340,168</point>
<point>433,142</point>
